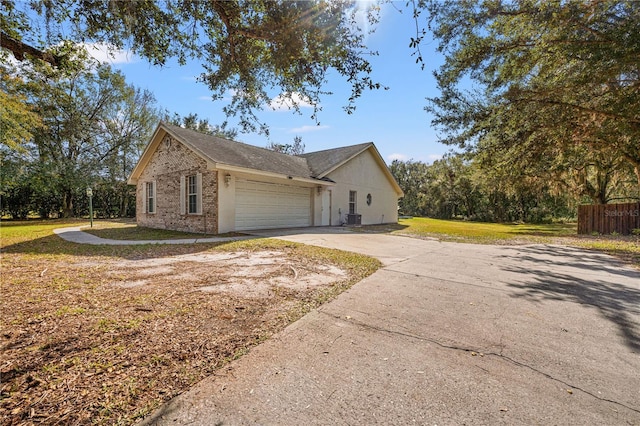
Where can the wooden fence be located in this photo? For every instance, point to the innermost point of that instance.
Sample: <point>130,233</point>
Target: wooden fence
<point>609,218</point>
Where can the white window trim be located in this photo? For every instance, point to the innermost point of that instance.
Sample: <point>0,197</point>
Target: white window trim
<point>184,194</point>
<point>145,199</point>
<point>355,202</point>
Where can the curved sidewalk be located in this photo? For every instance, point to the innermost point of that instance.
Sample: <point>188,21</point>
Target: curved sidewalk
<point>75,234</point>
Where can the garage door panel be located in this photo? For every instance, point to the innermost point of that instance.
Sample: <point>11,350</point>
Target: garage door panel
<point>261,205</point>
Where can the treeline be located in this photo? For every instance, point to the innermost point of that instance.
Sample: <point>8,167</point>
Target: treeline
<point>71,127</point>
<point>460,187</point>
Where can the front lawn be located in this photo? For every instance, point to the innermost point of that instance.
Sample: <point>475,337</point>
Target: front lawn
<point>105,334</point>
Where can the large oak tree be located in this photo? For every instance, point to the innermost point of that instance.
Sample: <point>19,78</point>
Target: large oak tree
<point>252,50</point>
<point>528,83</point>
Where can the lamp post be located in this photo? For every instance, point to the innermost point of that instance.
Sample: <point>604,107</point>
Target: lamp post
<point>90,195</point>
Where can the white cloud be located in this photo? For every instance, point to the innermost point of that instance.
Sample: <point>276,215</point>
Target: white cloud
<point>434,157</point>
<point>399,157</point>
<point>366,14</point>
<point>285,103</point>
<point>307,129</point>
<point>361,10</point>
<point>104,53</point>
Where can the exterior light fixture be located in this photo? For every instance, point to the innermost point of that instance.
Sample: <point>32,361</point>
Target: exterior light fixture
<point>227,179</point>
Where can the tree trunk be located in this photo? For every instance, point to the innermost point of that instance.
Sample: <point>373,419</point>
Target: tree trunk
<point>67,204</point>
<point>124,204</point>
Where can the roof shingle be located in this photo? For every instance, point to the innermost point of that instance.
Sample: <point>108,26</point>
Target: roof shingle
<point>322,162</point>
<point>310,165</point>
<point>239,154</point>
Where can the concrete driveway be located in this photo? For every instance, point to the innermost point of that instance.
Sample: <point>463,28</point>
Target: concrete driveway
<point>445,333</point>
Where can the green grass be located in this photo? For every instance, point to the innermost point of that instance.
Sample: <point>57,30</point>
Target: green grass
<point>128,230</point>
<point>625,247</point>
<point>480,232</point>
<point>15,232</point>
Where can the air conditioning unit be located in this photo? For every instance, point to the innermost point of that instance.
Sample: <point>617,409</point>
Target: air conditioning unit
<point>354,219</point>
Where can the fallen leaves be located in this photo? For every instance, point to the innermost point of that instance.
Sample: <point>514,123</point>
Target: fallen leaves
<point>76,348</point>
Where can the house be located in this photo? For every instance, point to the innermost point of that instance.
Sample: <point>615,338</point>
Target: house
<point>190,181</point>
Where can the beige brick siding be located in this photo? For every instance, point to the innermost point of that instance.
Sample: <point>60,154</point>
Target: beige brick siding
<point>167,165</point>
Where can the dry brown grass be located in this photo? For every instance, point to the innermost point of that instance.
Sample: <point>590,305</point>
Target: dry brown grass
<point>106,334</point>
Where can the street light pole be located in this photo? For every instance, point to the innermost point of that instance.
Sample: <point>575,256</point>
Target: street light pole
<point>90,195</point>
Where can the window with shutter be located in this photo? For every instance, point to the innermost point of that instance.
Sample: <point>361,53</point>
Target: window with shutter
<point>192,194</point>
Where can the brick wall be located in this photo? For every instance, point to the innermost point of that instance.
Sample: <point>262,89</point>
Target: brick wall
<point>168,163</point>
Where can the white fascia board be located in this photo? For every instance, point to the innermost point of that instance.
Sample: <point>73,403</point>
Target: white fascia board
<point>230,168</point>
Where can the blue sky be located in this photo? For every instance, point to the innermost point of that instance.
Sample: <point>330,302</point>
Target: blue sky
<point>393,119</point>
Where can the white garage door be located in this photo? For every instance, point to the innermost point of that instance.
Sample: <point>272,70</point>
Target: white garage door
<point>262,205</point>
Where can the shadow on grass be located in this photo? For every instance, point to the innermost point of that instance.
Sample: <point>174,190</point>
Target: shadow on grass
<point>486,231</point>
<point>139,233</point>
<point>379,229</point>
<point>54,245</point>
<point>550,230</point>
<point>564,275</point>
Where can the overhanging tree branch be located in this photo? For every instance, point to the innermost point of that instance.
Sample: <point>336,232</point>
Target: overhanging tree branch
<point>22,50</point>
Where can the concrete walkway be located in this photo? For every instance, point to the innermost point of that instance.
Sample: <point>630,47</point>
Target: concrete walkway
<point>75,234</point>
<point>443,334</point>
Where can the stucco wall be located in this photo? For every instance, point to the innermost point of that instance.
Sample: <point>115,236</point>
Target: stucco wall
<point>227,202</point>
<point>363,175</point>
<point>167,165</point>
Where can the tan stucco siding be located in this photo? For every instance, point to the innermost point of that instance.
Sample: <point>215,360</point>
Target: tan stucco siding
<point>363,175</point>
<point>226,202</point>
<point>168,166</point>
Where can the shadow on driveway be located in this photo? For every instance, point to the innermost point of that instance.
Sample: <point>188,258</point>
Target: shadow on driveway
<point>572,275</point>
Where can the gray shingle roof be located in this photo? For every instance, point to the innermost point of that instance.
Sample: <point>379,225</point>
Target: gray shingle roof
<point>239,154</point>
<point>322,162</point>
<point>219,150</point>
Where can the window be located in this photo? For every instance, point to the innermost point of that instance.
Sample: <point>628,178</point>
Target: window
<point>192,191</point>
<point>191,194</point>
<point>352,202</point>
<point>150,197</point>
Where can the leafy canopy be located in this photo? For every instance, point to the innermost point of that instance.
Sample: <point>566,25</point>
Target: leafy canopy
<point>537,85</point>
<point>249,49</point>
<point>93,125</point>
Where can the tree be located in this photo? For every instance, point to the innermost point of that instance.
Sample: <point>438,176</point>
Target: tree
<point>193,122</point>
<point>93,126</point>
<point>127,125</point>
<point>547,77</point>
<point>458,186</point>
<point>15,188</point>
<point>296,148</point>
<point>17,119</point>
<point>412,176</point>
<point>246,48</point>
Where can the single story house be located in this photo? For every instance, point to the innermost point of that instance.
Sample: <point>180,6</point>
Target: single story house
<point>190,181</point>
